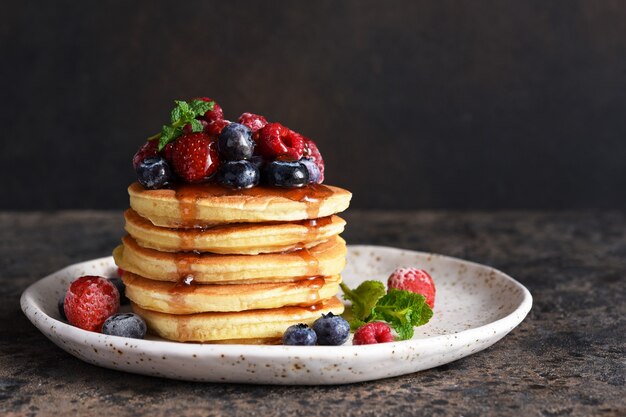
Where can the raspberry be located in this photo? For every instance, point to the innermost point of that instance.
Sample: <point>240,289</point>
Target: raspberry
<point>215,128</point>
<point>168,152</point>
<point>216,114</point>
<point>89,301</point>
<point>195,157</point>
<point>187,128</point>
<point>275,141</point>
<point>371,333</point>
<point>147,150</point>
<point>254,121</point>
<point>311,152</point>
<point>414,280</point>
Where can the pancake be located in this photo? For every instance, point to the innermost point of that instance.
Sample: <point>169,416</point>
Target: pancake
<point>180,298</point>
<point>259,325</point>
<point>202,205</point>
<point>325,259</point>
<point>238,238</point>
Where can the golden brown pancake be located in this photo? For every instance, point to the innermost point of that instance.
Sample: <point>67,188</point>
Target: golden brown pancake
<point>237,238</point>
<point>325,259</point>
<point>256,325</point>
<point>202,205</point>
<point>182,298</point>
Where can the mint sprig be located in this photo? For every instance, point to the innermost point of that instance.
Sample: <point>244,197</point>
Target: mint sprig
<point>402,309</point>
<point>183,114</point>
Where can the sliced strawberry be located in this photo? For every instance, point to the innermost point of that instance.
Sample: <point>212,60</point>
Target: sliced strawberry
<point>147,150</point>
<point>195,157</point>
<point>276,141</point>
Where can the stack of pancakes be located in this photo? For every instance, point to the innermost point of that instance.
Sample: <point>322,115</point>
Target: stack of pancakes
<point>208,264</point>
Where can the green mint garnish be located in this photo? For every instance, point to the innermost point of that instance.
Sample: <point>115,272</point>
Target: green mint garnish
<point>184,113</point>
<point>402,309</point>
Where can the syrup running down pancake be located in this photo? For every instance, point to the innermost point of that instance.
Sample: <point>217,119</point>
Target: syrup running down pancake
<point>236,238</point>
<point>203,205</point>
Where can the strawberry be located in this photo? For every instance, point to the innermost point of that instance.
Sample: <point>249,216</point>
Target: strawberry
<point>311,152</point>
<point>195,157</point>
<point>276,141</point>
<point>147,150</point>
<point>89,301</point>
<point>414,280</point>
<point>254,121</point>
<point>371,333</point>
<point>216,114</point>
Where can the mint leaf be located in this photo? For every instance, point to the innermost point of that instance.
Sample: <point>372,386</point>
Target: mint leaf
<point>403,310</point>
<point>363,298</point>
<point>196,126</point>
<point>168,134</point>
<point>200,107</point>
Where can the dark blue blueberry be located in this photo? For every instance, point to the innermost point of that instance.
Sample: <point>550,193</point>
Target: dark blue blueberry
<point>125,325</point>
<point>238,174</point>
<point>313,169</point>
<point>121,288</point>
<point>257,161</point>
<point>153,173</point>
<point>235,143</point>
<point>331,330</point>
<point>285,174</point>
<point>61,306</point>
<point>299,335</point>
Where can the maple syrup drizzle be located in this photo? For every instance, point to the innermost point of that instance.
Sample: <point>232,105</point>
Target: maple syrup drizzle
<point>312,263</point>
<point>313,285</point>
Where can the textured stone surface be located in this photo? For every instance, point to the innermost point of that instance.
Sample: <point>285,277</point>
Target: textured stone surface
<point>566,358</point>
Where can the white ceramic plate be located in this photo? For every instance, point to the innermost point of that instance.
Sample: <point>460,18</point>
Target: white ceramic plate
<point>475,307</point>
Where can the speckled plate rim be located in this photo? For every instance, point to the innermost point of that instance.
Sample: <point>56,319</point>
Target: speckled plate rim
<point>310,365</point>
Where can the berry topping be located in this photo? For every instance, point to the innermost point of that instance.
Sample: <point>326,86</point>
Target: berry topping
<point>313,153</point>
<point>238,174</point>
<point>254,121</point>
<point>89,301</point>
<point>285,174</point>
<point>153,173</point>
<point>215,128</point>
<point>188,128</point>
<point>314,171</point>
<point>125,325</point>
<point>371,333</point>
<point>147,150</point>
<point>216,114</point>
<point>299,335</point>
<point>194,157</point>
<point>331,330</point>
<point>235,142</point>
<point>414,280</point>
<point>275,141</point>
<point>121,288</point>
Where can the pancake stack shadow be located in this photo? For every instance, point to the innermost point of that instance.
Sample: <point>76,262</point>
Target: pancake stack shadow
<point>206,264</point>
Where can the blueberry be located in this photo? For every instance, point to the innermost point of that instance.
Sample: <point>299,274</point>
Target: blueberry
<point>125,325</point>
<point>331,330</point>
<point>313,169</point>
<point>61,305</point>
<point>235,142</point>
<point>238,174</point>
<point>285,174</point>
<point>257,161</point>
<point>121,288</point>
<point>299,335</point>
<point>154,172</point>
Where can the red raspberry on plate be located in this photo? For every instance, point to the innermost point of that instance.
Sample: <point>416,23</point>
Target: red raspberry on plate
<point>195,157</point>
<point>311,152</point>
<point>89,301</point>
<point>254,121</point>
<point>414,280</point>
<point>215,128</point>
<point>371,333</point>
<point>216,114</point>
<point>147,150</point>
<point>275,141</point>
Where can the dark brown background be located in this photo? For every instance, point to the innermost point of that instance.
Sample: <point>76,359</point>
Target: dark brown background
<point>414,104</point>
